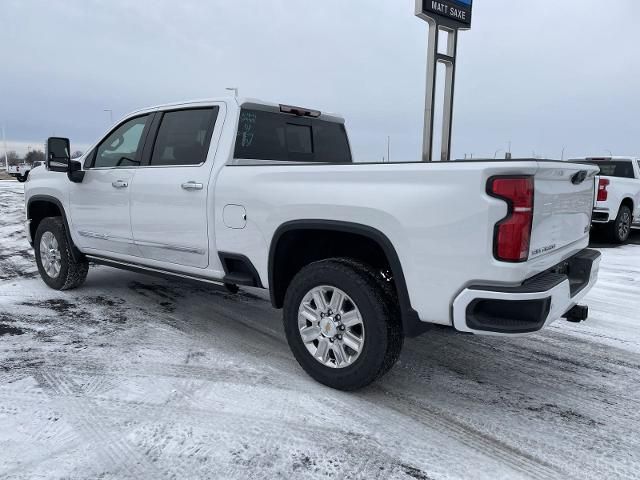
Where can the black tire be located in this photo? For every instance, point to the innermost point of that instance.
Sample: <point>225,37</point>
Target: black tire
<point>72,274</point>
<point>383,341</point>
<point>620,228</point>
<point>22,178</point>
<point>392,303</point>
<point>386,286</point>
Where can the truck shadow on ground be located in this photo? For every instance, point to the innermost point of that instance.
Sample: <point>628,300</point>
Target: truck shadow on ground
<point>599,240</point>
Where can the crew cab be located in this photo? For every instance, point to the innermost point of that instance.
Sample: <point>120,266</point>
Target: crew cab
<point>617,202</point>
<point>241,192</point>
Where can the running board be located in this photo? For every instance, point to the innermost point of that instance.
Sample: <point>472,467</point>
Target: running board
<point>157,272</point>
<point>236,278</point>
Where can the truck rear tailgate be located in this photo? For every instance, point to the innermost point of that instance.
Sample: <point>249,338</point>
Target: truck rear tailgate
<point>563,205</point>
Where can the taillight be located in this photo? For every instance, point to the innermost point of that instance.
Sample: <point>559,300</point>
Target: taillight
<point>513,233</point>
<point>603,194</point>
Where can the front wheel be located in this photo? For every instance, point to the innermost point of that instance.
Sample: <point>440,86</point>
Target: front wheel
<point>620,229</point>
<point>55,262</point>
<point>22,178</point>
<point>340,326</point>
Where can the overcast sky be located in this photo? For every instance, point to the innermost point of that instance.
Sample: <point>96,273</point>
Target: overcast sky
<point>545,74</point>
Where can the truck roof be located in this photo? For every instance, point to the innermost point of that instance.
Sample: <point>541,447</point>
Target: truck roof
<point>240,101</point>
<point>609,159</point>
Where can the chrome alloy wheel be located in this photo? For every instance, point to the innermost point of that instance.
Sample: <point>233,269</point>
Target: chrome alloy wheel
<point>331,326</point>
<point>624,229</point>
<point>50,254</point>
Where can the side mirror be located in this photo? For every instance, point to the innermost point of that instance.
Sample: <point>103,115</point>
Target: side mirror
<point>58,154</point>
<point>75,173</point>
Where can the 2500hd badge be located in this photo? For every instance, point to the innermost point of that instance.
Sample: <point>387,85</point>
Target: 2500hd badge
<point>540,251</point>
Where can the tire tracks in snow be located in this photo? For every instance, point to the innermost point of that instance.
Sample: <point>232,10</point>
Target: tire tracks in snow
<point>114,450</point>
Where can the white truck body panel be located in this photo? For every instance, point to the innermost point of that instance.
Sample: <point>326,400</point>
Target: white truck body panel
<point>182,194</point>
<point>96,228</point>
<point>367,193</point>
<point>438,216</point>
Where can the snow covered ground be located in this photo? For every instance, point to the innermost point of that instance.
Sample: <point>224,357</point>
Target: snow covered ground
<point>135,377</point>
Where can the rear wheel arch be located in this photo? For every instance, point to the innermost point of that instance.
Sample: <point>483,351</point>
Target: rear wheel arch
<point>628,202</point>
<point>298,243</point>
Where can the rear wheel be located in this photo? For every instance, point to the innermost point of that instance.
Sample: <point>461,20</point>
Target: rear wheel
<point>22,178</point>
<point>620,229</point>
<point>55,262</point>
<point>340,326</point>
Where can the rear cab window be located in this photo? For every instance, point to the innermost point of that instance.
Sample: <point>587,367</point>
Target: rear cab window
<point>277,136</point>
<point>614,168</point>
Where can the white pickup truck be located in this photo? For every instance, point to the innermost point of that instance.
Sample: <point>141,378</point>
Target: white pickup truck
<point>22,170</point>
<point>617,202</point>
<point>359,255</point>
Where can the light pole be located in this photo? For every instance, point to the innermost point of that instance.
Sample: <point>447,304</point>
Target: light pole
<point>388,149</point>
<point>6,155</point>
<point>495,155</point>
<point>110,114</point>
<point>563,149</point>
<point>234,90</point>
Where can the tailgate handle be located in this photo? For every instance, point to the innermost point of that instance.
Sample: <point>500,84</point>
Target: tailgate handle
<point>579,177</point>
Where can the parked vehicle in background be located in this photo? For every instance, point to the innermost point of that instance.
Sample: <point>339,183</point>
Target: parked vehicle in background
<point>359,256</point>
<point>20,171</point>
<point>617,201</point>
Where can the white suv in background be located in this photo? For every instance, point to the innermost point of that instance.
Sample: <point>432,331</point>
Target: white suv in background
<point>617,203</point>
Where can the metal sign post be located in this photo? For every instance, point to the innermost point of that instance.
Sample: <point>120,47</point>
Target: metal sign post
<point>447,16</point>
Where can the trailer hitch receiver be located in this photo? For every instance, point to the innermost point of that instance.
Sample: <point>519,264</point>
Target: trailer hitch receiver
<point>577,314</point>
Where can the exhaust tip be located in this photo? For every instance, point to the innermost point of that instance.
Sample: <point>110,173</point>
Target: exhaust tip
<point>577,314</point>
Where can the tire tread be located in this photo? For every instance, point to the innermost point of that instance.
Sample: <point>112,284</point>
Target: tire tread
<point>75,272</point>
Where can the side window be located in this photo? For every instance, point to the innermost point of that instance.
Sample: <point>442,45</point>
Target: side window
<point>184,136</point>
<point>123,146</point>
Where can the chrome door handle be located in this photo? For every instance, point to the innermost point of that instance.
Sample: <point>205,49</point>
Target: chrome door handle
<point>119,184</point>
<point>192,186</point>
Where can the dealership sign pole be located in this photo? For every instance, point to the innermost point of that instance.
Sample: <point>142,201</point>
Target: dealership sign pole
<point>446,16</point>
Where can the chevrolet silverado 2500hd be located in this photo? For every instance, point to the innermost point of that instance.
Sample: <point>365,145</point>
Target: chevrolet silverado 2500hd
<point>359,256</point>
<point>617,201</point>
